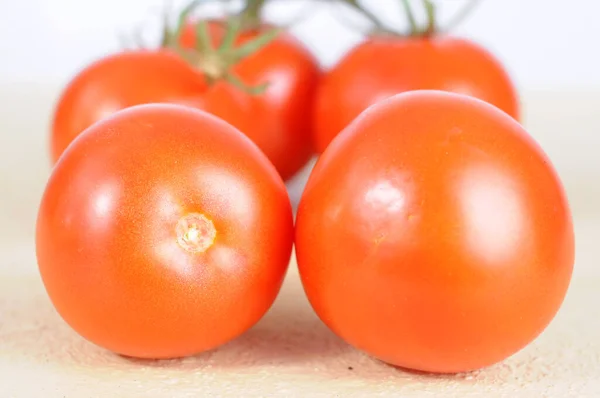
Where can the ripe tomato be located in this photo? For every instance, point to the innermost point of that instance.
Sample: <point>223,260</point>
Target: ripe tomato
<point>435,234</point>
<point>292,74</point>
<point>117,82</point>
<point>276,121</point>
<point>163,232</point>
<point>405,64</point>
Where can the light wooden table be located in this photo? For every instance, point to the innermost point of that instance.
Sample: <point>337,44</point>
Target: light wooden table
<point>289,353</point>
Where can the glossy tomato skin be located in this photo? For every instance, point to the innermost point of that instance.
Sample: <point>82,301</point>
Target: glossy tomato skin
<point>116,82</point>
<point>230,104</point>
<point>293,75</point>
<point>163,232</point>
<point>382,67</point>
<point>434,234</point>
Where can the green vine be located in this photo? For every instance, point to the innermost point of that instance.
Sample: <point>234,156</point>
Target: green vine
<point>216,63</point>
<point>251,14</point>
<point>430,28</point>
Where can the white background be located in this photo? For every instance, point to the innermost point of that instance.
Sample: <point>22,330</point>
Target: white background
<point>545,44</point>
<point>550,47</point>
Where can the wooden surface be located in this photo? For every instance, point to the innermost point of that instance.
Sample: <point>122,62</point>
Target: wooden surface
<point>289,353</point>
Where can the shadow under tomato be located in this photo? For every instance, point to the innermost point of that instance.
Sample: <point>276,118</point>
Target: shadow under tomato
<point>290,340</point>
<point>425,374</point>
<point>290,334</point>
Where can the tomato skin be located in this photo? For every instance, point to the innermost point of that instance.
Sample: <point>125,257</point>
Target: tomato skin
<point>230,104</point>
<point>293,75</point>
<point>434,234</point>
<point>437,63</point>
<point>117,82</point>
<point>108,232</point>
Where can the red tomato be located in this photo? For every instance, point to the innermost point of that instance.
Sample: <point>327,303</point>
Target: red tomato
<point>277,121</point>
<point>116,82</point>
<point>293,74</point>
<point>435,234</point>
<point>384,66</point>
<point>163,232</point>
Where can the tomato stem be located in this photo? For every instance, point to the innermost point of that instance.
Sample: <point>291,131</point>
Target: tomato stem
<point>167,35</point>
<point>252,13</point>
<point>195,232</point>
<point>253,46</point>
<point>431,20</point>
<point>410,16</point>
<point>231,31</point>
<point>203,37</point>
<point>429,29</point>
<point>217,63</point>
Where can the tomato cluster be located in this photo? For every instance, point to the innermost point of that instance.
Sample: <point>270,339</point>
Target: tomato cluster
<point>275,120</point>
<point>433,232</point>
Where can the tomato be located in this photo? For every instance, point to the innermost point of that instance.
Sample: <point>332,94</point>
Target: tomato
<point>292,74</point>
<point>278,121</point>
<point>384,66</point>
<point>140,77</point>
<point>116,82</point>
<point>163,232</point>
<point>435,234</point>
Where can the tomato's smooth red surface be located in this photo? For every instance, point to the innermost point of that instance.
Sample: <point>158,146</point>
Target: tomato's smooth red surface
<point>385,66</point>
<point>435,234</point>
<point>163,232</point>
<point>117,82</point>
<point>232,105</point>
<point>293,74</point>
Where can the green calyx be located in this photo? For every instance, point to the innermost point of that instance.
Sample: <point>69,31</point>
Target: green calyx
<point>217,62</point>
